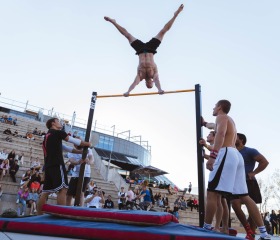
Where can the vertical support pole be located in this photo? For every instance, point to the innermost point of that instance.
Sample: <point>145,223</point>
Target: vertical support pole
<point>200,159</point>
<point>85,150</point>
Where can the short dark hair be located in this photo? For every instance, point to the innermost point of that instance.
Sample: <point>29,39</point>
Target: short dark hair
<point>225,105</point>
<point>242,137</point>
<point>50,121</point>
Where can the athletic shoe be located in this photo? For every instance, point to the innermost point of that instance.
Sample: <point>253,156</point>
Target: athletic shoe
<point>250,236</point>
<point>17,201</point>
<point>22,214</point>
<point>267,237</point>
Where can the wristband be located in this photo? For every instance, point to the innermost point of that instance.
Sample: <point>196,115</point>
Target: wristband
<point>213,154</point>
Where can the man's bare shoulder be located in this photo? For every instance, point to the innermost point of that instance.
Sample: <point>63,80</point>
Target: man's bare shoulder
<point>222,117</point>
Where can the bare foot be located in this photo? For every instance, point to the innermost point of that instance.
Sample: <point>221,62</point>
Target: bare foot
<point>180,9</point>
<point>110,19</point>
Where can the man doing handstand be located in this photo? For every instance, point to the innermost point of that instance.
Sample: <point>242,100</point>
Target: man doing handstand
<point>147,69</point>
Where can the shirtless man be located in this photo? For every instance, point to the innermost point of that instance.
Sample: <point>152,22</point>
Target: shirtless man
<point>147,69</point>
<point>227,169</point>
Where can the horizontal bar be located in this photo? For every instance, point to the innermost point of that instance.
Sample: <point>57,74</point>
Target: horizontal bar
<point>142,94</point>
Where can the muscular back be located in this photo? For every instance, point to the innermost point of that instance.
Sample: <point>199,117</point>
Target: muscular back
<point>225,132</point>
<point>147,66</point>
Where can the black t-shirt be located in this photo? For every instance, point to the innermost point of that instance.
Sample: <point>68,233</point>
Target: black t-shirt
<point>108,204</point>
<point>52,146</point>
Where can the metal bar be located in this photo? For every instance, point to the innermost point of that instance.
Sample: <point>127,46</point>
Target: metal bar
<point>200,159</point>
<point>142,94</point>
<point>85,150</point>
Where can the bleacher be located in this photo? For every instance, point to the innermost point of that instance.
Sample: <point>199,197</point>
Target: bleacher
<point>34,148</point>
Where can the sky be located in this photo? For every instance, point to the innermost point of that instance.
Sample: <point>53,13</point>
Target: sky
<point>56,53</point>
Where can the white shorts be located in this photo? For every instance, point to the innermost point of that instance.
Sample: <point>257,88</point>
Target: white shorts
<point>228,175</point>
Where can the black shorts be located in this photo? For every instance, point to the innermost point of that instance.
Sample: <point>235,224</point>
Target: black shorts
<point>74,183</point>
<point>148,47</point>
<point>55,179</point>
<point>254,190</point>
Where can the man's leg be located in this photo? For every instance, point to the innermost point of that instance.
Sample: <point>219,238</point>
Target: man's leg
<point>211,207</point>
<point>121,29</point>
<point>61,196</point>
<point>168,25</point>
<point>219,213</point>
<point>41,202</point>
<point>69,200</point>
<point>225,216</point>
<point>254,213</point>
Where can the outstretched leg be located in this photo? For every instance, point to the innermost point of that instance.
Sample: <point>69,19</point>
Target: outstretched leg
<point>121,29</point>
<point>168,25</point>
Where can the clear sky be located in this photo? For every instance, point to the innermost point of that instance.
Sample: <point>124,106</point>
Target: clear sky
<point>55,53</point>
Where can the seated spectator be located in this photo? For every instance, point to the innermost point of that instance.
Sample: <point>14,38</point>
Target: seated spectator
<point>11,156</point>
<point>25,178</point>
<point>21,199</point>
<point>90,187</point>
<point>15,122</point>
<point>130,197</point>
<point>35,131</point>
<point>29,135</point>
<point>7,131</point>
<point>15,134</point>
<point>121,198</point>
<point>165,201</point>
<point>93,200</point>
<point>43,133</point>
<point>175,211</point>
<point>13,170</point>
<point>2,119</point>
<point>190,203</point>
<point>36,164</point>
<point>195,204</point>
<point>5,118</point>
<point>168,210</point>
<point>32,199</point>
<point>169,189</point>
<point>35,181</point>
<point>108,202</point>
<point>10,120</point>
<point>20,158</point>
<point>4,168</point>
<point>3,155</point>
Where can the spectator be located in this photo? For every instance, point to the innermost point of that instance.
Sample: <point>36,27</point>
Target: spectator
<point>195,204</point>
<point>35,131</point>
<point>121,198</point>
<point>90,187</point>
<point>190,188</point>
<point>12,155</point>
<point>36,164</point>
<point>168,210</point>
<point>21,158</point>
<point>4,167</point>
<point>15,122</point>
<point>130,197</point>
<point>146,204</point>
<point>108,202</point>
<point>165,201</point>
<point>10,120</point>
<point>35,181</point>
<point>2,119</point>
<point>9,139</point>
<point>266,220</point>
<point>273,220</point>
<point>25,178</point>
<point>176,211</point>
<point>190,203</point>
<point>7,131</point>
<point>32,199</point>
<point>94,199</point>
<point>21,199</point>
<point>30,136</point>
<point>3,155</point>
<point>13,170</point>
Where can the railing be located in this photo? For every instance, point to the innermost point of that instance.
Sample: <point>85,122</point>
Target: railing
<point>72,120</point>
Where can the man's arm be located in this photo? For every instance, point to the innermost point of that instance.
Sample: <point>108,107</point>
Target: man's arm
<point>133,85</point>
<point>221,128</point>
<point>157,83</point>
<point>263,163</point>
<point>207,124</point>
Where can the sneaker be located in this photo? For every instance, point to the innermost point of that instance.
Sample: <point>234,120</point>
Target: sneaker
<point>22,214</point>
<point>267,237</point>
<point>250,236</point>
<point>35,211</point>
<point>17,201</point>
